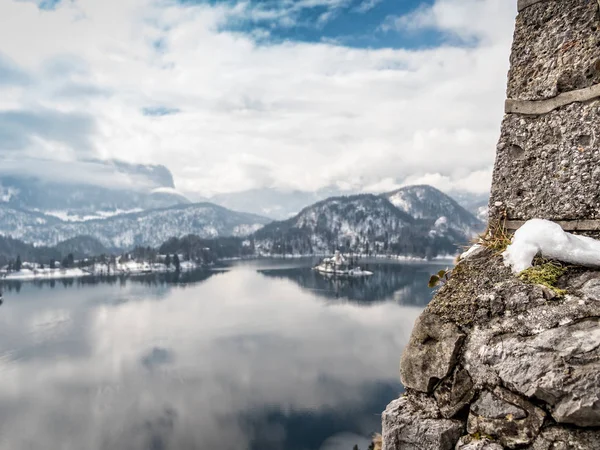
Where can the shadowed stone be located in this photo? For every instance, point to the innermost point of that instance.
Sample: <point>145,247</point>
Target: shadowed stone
<point>410,424</point>
<point>470,443</point>
<point>454,393</point>
<point>431,353</point>
<point>555,438</point>
<point>491,407</point>
<point>492,415</point>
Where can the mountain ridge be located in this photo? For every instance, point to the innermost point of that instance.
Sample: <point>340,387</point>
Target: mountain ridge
<point>364,223</point>
<point>369,222</point>
<point>427,202</point>
<point>145,228</point>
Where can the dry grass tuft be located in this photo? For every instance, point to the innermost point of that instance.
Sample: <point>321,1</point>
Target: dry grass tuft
<point>377,442</point>
<point>496,237</point>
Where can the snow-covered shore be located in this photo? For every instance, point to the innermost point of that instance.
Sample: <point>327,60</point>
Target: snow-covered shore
<point>405,258</point>
<point>128,268</point>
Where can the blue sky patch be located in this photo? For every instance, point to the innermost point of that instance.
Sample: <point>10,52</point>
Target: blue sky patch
<point>354,23</point>
<point>45,4</point>
<point>159,111</point>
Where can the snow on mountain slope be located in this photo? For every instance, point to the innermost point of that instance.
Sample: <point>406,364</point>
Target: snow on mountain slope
<point>426,202</point>
<point>475,203</point>
<point>147,228</point>
<point>362,223</point>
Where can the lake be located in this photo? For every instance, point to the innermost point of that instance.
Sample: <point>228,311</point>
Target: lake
<point>259,355</point>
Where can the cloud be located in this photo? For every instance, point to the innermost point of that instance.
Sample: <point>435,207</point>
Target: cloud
<point>466,19</point>
<point>367,5</point>
<point>255,112</point>
<point>476,182</point>
<point>20,129</point>
<point>107,174</point>
<point>10,74</point>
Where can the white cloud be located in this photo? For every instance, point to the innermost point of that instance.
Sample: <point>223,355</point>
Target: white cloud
<point>467,19</point>
<point>290,115</point>
<point>367,5</point>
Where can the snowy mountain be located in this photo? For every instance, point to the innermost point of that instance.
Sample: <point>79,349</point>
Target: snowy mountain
<point>363,224</point>
<point>426,202</point>
<point>97,189</point>
<point>146,228</point>
<point>476,204</point>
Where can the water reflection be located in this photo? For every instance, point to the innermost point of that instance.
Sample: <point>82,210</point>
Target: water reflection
<point>153,279</point>
<point>235,360</point>
<point>406,284</point>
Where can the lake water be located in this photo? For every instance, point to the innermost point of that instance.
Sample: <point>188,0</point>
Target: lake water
<point>263,355</point>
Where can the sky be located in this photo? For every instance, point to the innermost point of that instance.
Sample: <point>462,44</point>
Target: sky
<point>363,95</point>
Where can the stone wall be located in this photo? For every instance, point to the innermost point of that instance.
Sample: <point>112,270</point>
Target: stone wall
<point>548,160</point>
<point>494,362</point>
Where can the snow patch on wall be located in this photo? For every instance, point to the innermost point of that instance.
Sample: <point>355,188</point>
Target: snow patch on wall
<point>548,239</point>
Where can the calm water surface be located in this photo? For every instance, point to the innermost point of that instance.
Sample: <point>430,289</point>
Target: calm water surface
<point>264,355</point>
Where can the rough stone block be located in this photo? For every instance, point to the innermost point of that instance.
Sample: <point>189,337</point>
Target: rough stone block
<point>470,443</point>
<point>548,166</point>
<point>560,366</point>
<point>431,352</point>
<point>410,425</point>
<point>555,49</point>
<point>555,438</point>
<point>454,393</point>
<point>511,420</point>
<point>490,406</point>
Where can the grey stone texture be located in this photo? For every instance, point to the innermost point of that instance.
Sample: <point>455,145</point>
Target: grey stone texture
<point>506,417</point>
<point>548,166</point>
<point>555,49</point>
<point>560,366</point>
<point>524,364</point>
<point>556,438</point>
<point>454,393</point>
<point>491,406</point>
<point>413,424</point>
<point>431,353</point>
<point>522,4</point>
<point>545,106</point>
<point>548,160</point>
<point>470,443</point>
<point>494,362</point>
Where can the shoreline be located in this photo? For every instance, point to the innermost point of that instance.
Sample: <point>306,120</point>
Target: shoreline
<point>58,274</point>
<point>137,269</point>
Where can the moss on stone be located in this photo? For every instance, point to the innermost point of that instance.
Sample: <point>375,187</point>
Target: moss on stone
<point>479,436</point>
<point>457,301</point>
<point>545,273</point>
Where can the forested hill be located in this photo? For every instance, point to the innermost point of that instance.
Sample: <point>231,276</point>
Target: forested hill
<point>427,202</point>
<point>79,247</point>
<point>366,223</point>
